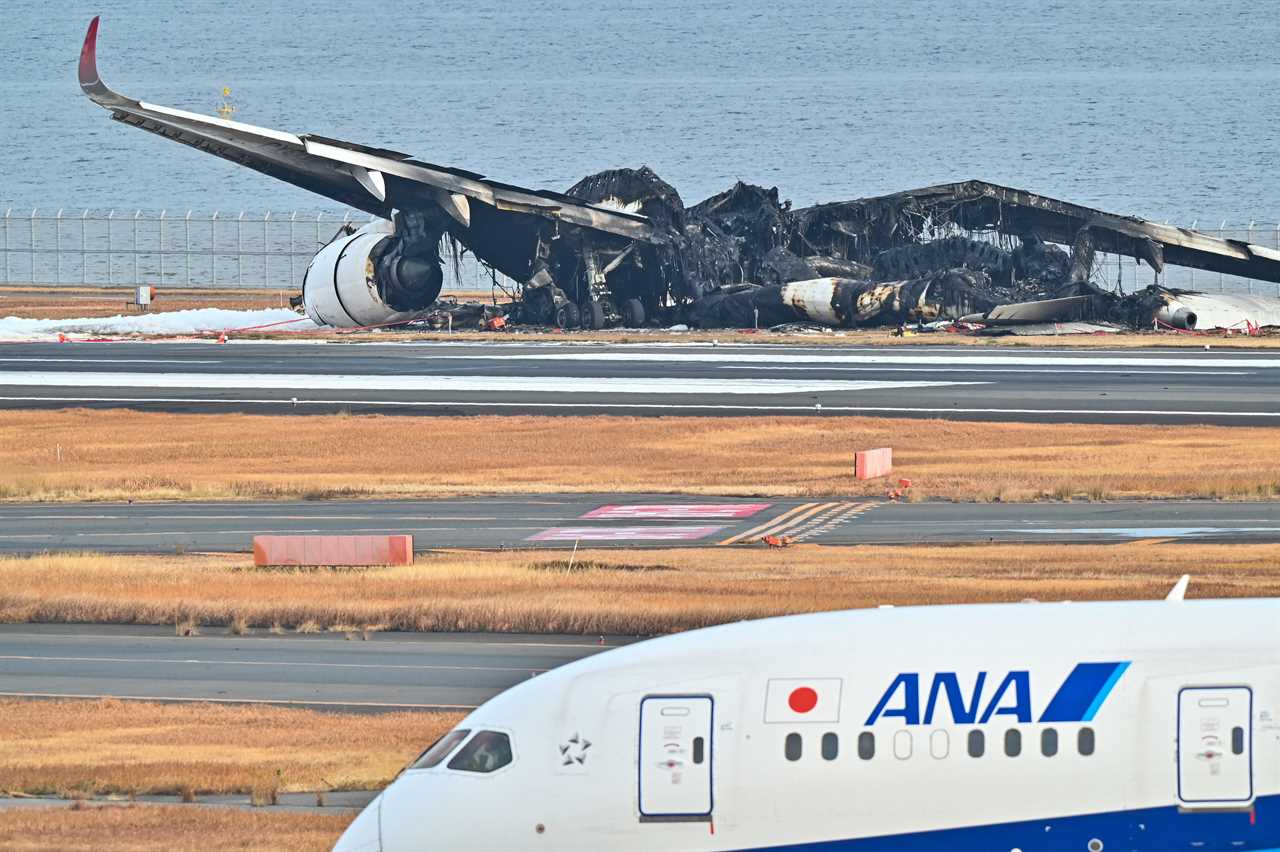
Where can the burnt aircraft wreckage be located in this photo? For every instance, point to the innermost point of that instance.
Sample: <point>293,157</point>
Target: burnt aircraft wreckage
<point>621,248</point>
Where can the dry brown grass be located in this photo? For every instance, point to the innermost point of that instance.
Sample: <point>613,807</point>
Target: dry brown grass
<point>92,748</point>
<point>516,592</point>
<point>131,828</point>
<point>117,455</point>
<point>72,302</point>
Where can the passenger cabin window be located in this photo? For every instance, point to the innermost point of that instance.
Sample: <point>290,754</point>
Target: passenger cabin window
<point>486,752</point>
<point>940,745</point>
<point>439,750</point>
<point>1049,742</point>
<point>977,744</point>
<point>903,745</point>
<point>866,745</point>
<point>1086,741</point>
<point>794,747</point>
<point>830,746</point>
<point>1237,740</point>
<point>699,749</point>
<point>1013,742</point>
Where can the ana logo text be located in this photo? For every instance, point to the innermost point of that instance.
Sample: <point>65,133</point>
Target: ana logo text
<point>946,701</point>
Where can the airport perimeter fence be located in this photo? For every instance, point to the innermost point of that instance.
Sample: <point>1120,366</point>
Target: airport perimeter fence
<point>272,250</point>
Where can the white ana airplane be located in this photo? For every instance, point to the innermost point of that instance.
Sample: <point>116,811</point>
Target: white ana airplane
<point>1068,727</point>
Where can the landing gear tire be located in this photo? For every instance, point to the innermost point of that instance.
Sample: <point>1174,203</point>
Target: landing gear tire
<point>592,315</point>
<point>632,313</point>
<point>573,316</point>
<point>561,316</point>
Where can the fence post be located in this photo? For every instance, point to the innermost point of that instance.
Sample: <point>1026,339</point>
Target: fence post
<point>31,233</point>
<point>162,251</point>
<point>213,250</point>
<point>84,252</point>
<point>7,214</point>
<point>266,250</point>
<point>136,215</point>
<point>240,249</point>
<point>293,247</point>
<point>57,242</point>
<point>186,230</point>
<point>111,215</point>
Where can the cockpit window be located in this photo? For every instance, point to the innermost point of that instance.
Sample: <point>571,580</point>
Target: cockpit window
<point>487,751</point>
<point>438,752</point>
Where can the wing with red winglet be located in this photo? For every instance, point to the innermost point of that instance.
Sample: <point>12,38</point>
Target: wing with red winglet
<point>370,179</point>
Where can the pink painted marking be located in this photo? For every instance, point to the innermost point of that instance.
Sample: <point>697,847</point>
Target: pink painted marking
<point>682,533</point>
<point>676,511</point>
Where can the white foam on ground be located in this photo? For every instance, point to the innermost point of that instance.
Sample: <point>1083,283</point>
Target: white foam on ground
<point>491,384</point>
<point>195,321</point>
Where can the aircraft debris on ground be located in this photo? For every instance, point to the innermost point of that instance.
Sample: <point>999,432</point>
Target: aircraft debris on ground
<point>620,248</point>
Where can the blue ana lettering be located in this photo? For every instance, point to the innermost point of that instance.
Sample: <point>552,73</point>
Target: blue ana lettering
<point>902,699</point>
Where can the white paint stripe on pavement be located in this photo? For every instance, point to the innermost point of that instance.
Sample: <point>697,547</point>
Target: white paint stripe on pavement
<point>643,406</point>
<point>265,663</point>
<point>934,370</point>
<point>944,360</point>
<point>285,702</point>
<point>503,384</point>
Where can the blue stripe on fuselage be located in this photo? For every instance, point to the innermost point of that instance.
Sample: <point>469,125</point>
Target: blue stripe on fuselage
<point>1083,692</point>
<point>1105,691</point>
<point>1146,830</point>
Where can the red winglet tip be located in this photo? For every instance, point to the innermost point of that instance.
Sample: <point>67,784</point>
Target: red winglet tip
<point>89,55</point>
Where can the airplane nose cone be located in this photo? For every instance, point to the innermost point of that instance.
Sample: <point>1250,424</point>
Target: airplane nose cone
<point>365,834</point>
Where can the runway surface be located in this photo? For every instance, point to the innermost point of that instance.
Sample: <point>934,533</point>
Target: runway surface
<point>1043,385</point>
<point>633,520</point>
<point>389,671</point>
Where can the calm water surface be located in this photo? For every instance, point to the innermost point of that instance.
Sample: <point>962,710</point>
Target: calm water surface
<point>1164,108</point>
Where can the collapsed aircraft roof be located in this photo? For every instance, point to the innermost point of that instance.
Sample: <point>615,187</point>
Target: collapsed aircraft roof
<point>976,205</point>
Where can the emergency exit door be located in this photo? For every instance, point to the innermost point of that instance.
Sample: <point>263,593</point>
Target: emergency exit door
<point>675,757</point>
<point>1215,746</point>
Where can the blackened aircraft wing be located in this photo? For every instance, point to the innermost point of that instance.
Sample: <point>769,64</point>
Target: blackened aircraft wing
<point>370,179</point>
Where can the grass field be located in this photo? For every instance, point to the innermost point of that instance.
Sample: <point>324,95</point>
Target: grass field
<point>92,748</point>
<point>617,592</point>
<point>175,828</point>
<point>74,302</point>
<point>118,455</point>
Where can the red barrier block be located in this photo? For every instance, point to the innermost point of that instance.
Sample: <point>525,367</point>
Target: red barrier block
<point>333,550</point>
<point>872,464</point>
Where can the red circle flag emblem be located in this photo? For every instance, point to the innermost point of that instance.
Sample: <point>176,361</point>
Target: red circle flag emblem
<point>802,700</point>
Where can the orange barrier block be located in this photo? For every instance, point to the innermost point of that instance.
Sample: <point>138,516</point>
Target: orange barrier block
<point>333,550</point>
<point>871,464</point>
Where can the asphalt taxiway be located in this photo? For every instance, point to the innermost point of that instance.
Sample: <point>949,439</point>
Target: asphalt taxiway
<point>630,520</point>
<point>383,672</point>
<point>965,383</point>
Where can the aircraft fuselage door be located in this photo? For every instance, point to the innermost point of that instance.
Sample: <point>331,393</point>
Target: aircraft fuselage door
<point>1215,746</point>
<point>676,757</point>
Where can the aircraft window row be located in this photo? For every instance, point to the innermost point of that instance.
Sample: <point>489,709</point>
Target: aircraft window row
<point>940,744</point>
<point>487,751</point>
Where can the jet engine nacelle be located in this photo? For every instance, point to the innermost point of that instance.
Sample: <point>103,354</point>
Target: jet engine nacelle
<point>343,287</point>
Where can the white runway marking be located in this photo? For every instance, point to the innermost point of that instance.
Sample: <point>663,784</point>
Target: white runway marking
<point>460,384</point>
<point>266,663</point>
<point>936,370</point>
<point>108,361</point>
<point>644,406</point>
<point>283,702</point>
<point>947,360</point>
